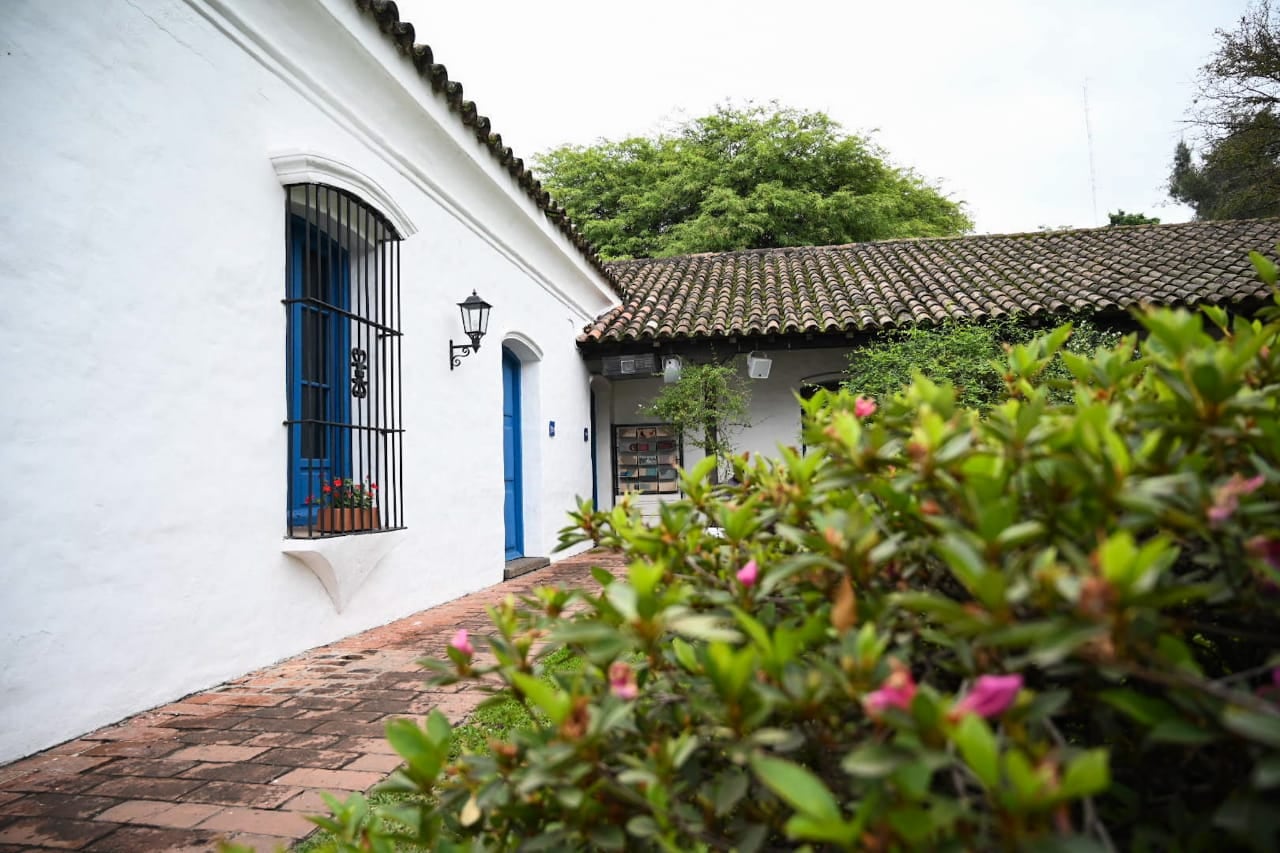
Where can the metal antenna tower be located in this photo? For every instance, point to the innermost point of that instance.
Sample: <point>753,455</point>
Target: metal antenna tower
<point>1088,132</point>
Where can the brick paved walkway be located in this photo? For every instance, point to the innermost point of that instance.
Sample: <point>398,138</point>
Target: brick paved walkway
<point>245,761</point>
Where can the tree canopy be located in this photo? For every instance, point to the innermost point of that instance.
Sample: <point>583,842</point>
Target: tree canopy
<point>743,178</point>
<point>1237,115</point>
<point>1122,218</point>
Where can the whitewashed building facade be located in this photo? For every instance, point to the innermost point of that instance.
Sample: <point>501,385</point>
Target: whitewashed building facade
<point>220,217</point>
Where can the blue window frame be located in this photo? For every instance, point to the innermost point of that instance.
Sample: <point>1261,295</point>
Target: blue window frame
<point>343,346</point>
<point>320,399</point>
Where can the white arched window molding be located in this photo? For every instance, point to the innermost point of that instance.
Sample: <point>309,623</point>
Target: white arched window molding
<point>308,167</point>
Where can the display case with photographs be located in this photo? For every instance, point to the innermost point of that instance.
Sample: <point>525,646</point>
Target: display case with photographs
<point>646,458</point>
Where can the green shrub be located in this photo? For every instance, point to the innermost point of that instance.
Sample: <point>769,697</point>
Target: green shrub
<point>968,356</point>
<point>1053,627</point>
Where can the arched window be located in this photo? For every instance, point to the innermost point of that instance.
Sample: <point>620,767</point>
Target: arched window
<point>342,303</point>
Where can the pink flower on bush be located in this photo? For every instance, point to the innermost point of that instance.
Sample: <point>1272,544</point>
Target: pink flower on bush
<point>749,574</point>
<point>1226,498</point>
<point>897,692</point>
<point>622,680</point>
<point>461,642</point>
<point>864,407</point>
<point>1271,692</point>
<point>1265,548</point>
<point>990,696</point>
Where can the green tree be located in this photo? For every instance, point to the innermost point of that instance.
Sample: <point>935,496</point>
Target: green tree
<point>706,405</point>
<point>1122,218</point>
<point>1238,177</point>
<point>1237,172</point>
<point>743,178</point>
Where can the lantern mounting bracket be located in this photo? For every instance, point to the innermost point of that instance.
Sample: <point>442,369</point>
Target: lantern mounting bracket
<point>457,352</point>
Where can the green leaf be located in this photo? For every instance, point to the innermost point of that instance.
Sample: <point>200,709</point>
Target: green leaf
<point>424,757</point>
<point>757,632</point>
<point>796,786</point>
<point>1086,775</point>
<point>438,728</point>
<point>1027,785</point>
<point>978,748</point>
<point>685,654</point>
<point>1147,710</point>
<point>874,760</point>
<point>1267,270</point>
<point>730,788</point>
<point>807,828</point>
<point>642,826</point>
<point>971,570</point>
<point>1053,651</point>
<point>1019,534</point>
<point>1266,773</point>
<point>554,703</point>
<point>703,626</point>
<point>1263,728</point>
<point>1180,731</point>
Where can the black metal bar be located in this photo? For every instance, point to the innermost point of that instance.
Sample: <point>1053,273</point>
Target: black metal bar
<point>289,377</point>
<point>329,306</point>
<point>352,437</point>
<point>324,423</point>
<point>395,493</point>
<point>304,355</point>
<point>363,335</point>
<point>333,448</point>
<point>398,419</point>
<point>384,367</point>
<point>375,284</point>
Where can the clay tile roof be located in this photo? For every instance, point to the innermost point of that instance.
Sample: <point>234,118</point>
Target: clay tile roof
<point>871,286</point>
<point>401,34</point>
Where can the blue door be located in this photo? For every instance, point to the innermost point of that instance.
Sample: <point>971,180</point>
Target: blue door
<point>513,502</point>
<point>319,401</point>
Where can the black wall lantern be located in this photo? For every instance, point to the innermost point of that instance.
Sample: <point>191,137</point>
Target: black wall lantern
<point>475,322</point>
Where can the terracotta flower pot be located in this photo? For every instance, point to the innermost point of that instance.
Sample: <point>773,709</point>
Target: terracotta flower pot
<point>331,520</point>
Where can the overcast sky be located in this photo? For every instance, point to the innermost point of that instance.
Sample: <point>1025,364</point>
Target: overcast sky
<point>985,97</point>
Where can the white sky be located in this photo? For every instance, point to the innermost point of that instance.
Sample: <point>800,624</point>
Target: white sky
<point>983,96</point>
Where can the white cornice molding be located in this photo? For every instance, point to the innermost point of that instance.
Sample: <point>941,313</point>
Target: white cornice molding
<point>257,45</point>
<point>306,167</point>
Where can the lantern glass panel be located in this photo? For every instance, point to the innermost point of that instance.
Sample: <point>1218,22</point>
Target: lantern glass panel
<point>475,315</point>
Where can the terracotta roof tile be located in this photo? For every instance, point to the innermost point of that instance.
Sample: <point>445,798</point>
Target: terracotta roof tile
<point>867,286</point>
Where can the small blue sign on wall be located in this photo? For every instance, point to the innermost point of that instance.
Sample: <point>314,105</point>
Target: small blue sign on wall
<point>551,429</point>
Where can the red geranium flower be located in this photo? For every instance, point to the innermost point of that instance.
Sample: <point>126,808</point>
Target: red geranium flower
<point>327,490</point>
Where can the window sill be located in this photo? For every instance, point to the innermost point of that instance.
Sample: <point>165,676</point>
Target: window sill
<point>301,532</point>
<point>343,562</point>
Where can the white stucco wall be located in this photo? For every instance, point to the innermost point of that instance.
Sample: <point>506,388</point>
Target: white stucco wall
<point>142,252</point>
<point>774,414</point>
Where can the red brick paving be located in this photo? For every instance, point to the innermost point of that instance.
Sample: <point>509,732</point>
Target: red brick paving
<point>246,761</point>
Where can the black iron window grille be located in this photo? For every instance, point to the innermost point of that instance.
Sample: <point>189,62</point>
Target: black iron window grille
<point>343,343</point>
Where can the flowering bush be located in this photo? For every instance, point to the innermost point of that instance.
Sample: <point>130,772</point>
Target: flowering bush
<point>345,493</point>
<point>1053,627</point>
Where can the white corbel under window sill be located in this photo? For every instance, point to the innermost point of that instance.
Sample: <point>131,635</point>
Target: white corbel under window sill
<point>343,563</point>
